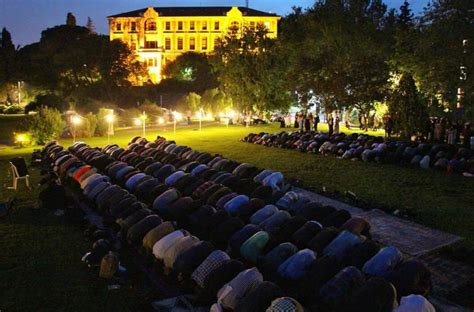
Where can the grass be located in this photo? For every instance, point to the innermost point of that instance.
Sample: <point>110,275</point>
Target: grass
<point>11,123</point>
<point>38,249</point>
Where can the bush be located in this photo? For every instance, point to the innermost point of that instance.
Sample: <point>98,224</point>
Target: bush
<point>3,107</point>
<point>46,125</point>
<point>129,116</point>
<point>14,109</point>
<point>87,127</point>
<point>101,123</point>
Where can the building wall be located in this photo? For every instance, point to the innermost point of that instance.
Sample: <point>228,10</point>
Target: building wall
<point>158,40</point>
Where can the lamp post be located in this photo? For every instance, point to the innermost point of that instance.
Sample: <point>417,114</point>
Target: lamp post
<point>75,120</point>
<point>176,117</point>
<point>200,118</point>
<point>141,120</point>
<point>110,120</point>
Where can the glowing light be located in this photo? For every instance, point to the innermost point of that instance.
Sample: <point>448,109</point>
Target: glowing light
<point>20,138</point>
<point>110,118</point>
<point>209,115</point>
<point>232,114</point>
<point>76,120</point>
<point>137,122</point>
<point>143,116</point>
<point>161,120</point>
<point>177,116</point>
<point>221,114</point>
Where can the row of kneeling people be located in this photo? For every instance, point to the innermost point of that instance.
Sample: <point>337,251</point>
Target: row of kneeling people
<point>371,148</point>
<point>248,251</point>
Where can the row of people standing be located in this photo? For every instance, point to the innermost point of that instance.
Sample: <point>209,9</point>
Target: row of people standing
<point>308,122</point>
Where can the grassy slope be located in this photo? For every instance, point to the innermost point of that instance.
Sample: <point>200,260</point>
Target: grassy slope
<point>40,267</point>
<point>431,198</point>
<point>10,124</point>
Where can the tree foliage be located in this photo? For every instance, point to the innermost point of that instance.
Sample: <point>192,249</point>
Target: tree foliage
<point>407,108</point>
<point>250,69</point>
<point>194,68</point>
<point>46,125</point>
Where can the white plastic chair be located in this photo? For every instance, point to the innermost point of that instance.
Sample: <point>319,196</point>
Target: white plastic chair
<point>16,177</point>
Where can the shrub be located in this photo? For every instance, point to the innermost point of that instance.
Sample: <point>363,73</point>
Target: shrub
<point>3,107</point>
<point>88,126</point>
<point>14,109</point>
<point>46,125</point>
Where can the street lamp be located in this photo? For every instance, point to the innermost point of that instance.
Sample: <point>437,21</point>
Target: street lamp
<point>176,116</point>
<point>141,120</point>
<point>110,131</point>
<point>199,114</point>
<point>75,120</point>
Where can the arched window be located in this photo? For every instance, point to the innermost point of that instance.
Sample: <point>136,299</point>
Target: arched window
<point>234,27</point>
<point>150,25</point>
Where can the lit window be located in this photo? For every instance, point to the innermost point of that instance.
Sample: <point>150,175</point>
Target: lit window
<point>191,25</point>
<point>267,25</point>
<point>192,44</point>
<point>167,44</point>
<point>180,43</point>
<point>167,25</point>
<point>204,25</point>
<point>216,42</point>
<point>133,46</point>
<point>118,27</point>
<point>216,25</point>
<point>234,27</point>
<point>151,44</point>
<point>150,62</point>
<point>180,25</point>
<point>150,25</point>
<point>204,44</point>
<point>252,26</point>
<point>133,26</point>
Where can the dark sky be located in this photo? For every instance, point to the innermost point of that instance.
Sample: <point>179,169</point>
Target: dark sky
<point>25,19</point>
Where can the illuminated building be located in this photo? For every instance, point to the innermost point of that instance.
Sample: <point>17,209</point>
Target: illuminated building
<point>158,35</point>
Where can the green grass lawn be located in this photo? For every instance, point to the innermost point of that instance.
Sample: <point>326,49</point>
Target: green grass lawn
<point>12,123</point>
<point>38,249</point>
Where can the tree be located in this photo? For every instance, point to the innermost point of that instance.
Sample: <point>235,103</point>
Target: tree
<point>194,68</point>
<point>342,55</point>
<point>47,100</point>
<point>407,108</point>
<point>190,102</point>
<point>7,58</point>
<point>75,64</point>
<point>70,19</point>
<point>250,69</point>
<point>46,125</point>
<point>90,25</point>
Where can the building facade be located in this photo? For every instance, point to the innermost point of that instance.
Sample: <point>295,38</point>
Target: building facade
<point>159,34</point>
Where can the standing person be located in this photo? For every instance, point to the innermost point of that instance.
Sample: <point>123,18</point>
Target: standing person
<point>301,119</point>
<point>316,122</point>
<point>452,133</point>
<point>307,122</point>
<point>467,134</point>
<point>288,120</point>
<point>437,131</point>
<point>361,123</point>
<point>389,127</point>
<point>330,124</point>
<point>336,124</point>
<point>297,117</point>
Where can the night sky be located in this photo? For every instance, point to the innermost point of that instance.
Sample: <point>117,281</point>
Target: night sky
<point>25,19</point>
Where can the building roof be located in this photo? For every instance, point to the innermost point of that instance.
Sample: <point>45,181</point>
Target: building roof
<point>194,11</point>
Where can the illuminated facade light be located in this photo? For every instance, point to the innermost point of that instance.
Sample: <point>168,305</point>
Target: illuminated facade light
<point>158,35</point>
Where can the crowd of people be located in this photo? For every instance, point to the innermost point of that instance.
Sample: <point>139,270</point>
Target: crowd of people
<point>234,234</point>
<point>367,148</point>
